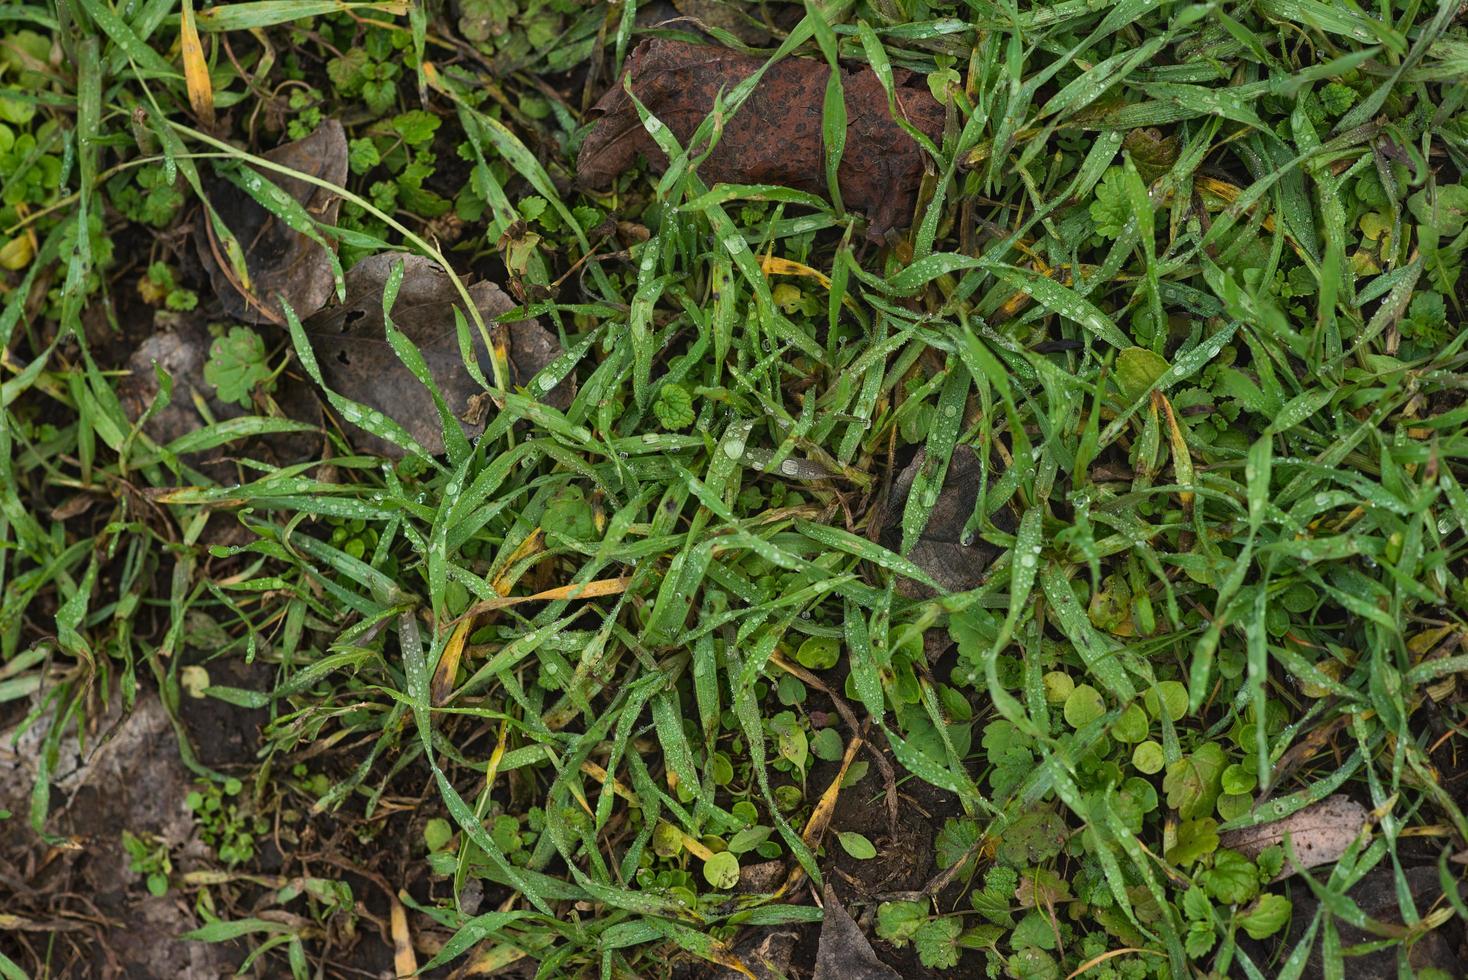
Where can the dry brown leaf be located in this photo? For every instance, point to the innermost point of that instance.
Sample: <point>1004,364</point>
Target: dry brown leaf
<point>280,260</point>
<point>1320,833</point>
<point>775,137</point>
<point>405,962</point>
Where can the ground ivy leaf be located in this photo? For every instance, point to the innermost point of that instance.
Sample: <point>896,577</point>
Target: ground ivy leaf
<point>1192,782</point>
<point>936,942</point>
<point>1233,879</point>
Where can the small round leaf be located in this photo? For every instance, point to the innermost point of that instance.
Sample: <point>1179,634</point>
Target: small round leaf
<point>722,870</point>
<point>1083,706</point>
<point>819,653</point>
<point>1147,758</point>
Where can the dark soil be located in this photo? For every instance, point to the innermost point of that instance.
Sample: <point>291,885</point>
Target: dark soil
<point>81,910</point>
<point>127,774</point>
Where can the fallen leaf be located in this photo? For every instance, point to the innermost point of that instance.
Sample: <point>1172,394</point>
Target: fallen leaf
<point>843,953</point>
<point>358,362</point>
<point>775,138</point>
<point>941,551</point>
<point>764,951</point>
<point>1320,833</point>
<point>405,961</point>
<point>280,260</point>
<point>181,351</point>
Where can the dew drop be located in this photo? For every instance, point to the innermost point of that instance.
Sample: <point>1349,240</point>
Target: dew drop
<point>788,467</point>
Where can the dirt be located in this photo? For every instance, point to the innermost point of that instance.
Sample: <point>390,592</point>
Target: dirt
<point>904,864</point>
<point>125,774</point>
<point>225,736</point>
<point>1375,894</point>
<point>81,909</point>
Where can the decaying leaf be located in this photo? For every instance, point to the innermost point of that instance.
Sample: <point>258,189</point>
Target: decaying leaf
<point>775,137</point>
<point>1320,833</point>
<point>843,953</point>
<point>280,260</point>
<point>181,351</point>
<point>358,362</point>
<point>941,551</point>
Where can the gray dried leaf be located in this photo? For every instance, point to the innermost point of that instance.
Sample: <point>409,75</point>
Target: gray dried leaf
<point>941,550</point>
<point>843,953</point>
<point>1320,833</point>
<point>356,360</point>
<point>181,352</point>
<point>765,952</point>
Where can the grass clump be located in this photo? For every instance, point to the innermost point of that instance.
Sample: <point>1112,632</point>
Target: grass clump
<point>1098,522</point>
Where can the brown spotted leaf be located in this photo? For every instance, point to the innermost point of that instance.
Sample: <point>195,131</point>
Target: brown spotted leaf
<point>775,137</point>
<point>1320,833</point>
<point>1153,152</point>
<point>356,360</point>
<point>280,260</point>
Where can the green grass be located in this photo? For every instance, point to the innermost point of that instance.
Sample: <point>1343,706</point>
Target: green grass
<point>1188,279</point>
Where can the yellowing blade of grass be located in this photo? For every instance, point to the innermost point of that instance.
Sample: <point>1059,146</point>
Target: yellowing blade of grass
<point>196,68</point>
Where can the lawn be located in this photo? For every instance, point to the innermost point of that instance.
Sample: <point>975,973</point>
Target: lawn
<point>712,489</point>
